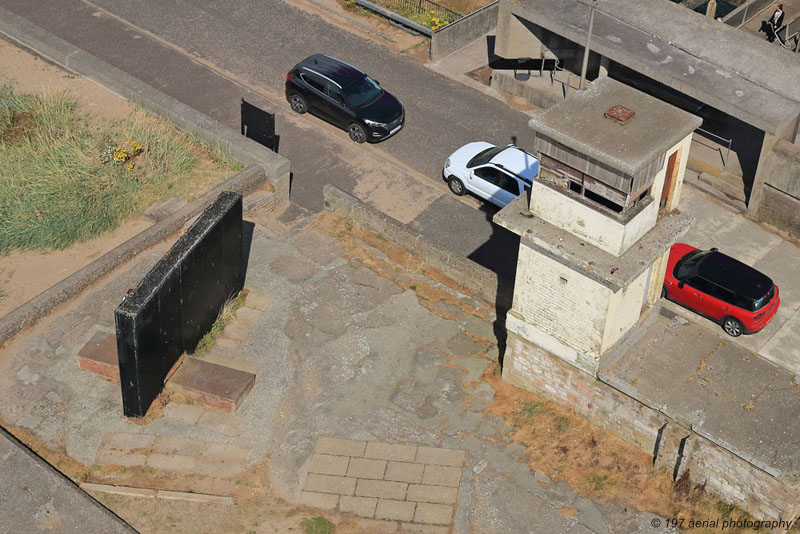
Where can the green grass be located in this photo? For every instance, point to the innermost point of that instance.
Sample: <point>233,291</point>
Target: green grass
<point>225,316</point>
<point>59,183</point>
<point>318,525</point>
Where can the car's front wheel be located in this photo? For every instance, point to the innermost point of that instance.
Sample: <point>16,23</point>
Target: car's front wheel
<point>456,186</point>
<point>298,103</point>
<point>357,133</point>
<point>732,326</point>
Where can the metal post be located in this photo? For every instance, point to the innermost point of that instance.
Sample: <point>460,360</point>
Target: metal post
<point>586,51</point>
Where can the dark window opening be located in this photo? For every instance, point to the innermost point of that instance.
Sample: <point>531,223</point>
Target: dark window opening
<point>575,187</point>
<point>616,208</point>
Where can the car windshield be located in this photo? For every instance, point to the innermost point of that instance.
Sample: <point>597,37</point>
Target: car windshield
<point>362,92</point>
<point>484,156</point>
<point>688,263</point>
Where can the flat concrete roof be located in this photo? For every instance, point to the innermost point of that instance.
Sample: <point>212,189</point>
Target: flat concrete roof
<point>614,272</point>
<point>726,68</point>
<point>579,123</point>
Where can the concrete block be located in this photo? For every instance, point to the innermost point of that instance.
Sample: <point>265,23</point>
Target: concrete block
<point>330,484</point>
<point>114,457</point>
<point>227,451</point>
<point>433,514</point>
<point>432,494</point>
<point>340,447</point>
<point>226,360</point>
<point>383,489</point>
<point>99,355</point>
<point>172,462</point>
<point>211,384</point>
<point>395,510</point>
<point>325,501</point>
<point>183,412</point>
<point>439,475</point>
<point>222,423</point>
<point>414,528</point>
<point>390,451</point>
<point>404,472</point>
<point>437,456</point>
<point>178,445</point>
<point>194,497</point>
<point>237,331</point>
<point>219,468</point>
<point>119,490</point>
<point>248,316</point>
<point>257,301</point>
<point>366,468</point>
<point>361,506</point>
<point>327,464</point>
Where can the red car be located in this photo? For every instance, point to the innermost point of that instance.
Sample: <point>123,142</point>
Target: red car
<point>740,298</point>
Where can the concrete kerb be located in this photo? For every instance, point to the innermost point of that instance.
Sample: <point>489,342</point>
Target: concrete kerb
<point>61,53</point>
<point>481,280</point>
<point>244,182</point>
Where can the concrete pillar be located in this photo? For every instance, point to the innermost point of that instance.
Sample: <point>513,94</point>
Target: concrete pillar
<point>513,39</point>
<point>764,165</point>
<point>711,9</point>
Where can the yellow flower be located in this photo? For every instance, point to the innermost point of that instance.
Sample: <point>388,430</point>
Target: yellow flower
<point>131,165</point>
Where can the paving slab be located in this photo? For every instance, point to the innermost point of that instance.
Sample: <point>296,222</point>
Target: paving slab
<point>330,484</point>
<point>361,506</point>
<point>340,447</point>
<point>366,468</point>
<point>404,472</point>
<point>435,514</point>
<point>324,501</point>
<point>390,451</point>
<point>213,385</point>
<point>382,489</point>
<point>395,510</point>
<point>438,456</point>
<point>327,464</point>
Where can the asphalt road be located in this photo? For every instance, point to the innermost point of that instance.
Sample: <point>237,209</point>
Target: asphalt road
<point>208,55</point>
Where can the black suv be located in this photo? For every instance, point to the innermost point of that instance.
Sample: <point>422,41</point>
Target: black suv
<point>344,96</point>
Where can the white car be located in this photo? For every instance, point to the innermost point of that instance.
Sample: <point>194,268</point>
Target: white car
<point>496,174</point>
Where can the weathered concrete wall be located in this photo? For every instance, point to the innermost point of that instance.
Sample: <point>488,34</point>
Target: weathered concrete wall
<point>514,36</point>
<point>464,31</point>
<point>776,194</point>
<point>624,309</point>
<point>729,476</point>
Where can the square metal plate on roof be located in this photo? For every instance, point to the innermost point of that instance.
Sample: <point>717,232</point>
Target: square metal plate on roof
<point>620,113</point>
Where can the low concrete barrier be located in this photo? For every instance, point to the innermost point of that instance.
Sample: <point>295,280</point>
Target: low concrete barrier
<point>463,31</point>
<point>465,271</point>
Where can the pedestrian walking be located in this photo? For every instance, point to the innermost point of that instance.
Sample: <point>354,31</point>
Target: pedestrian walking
<point>775,24</point>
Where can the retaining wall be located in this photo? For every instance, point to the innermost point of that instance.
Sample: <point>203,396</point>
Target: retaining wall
<point>463,31</point>
<point>778,202</point>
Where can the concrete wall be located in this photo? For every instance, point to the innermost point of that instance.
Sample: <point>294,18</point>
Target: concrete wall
<point>624,310</point>
<point>776,193</point>
<point>729,476</point>
<point>464,31</point>
<point>514,36</point>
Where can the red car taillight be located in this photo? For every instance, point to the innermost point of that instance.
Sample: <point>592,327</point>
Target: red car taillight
<point>757,317</point>
<point>287,77</point>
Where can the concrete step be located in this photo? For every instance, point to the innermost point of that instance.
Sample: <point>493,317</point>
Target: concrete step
<point>717,193</point>
<point>212,385</point>
<point>727,183</point>
<point>159,212</point>
<point>99,356</point>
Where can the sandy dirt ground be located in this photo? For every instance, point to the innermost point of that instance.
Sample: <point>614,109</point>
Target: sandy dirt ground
<point>24,275</point>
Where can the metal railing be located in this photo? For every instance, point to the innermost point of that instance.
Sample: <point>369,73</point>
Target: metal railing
<point>423,16</point>
<point>746,12</point>
<point>789,36</point>
<point>724,141</point>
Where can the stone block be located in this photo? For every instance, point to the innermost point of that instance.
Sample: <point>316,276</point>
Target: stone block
<point>325,501</point>
<point>178,445</point>
<point>366,468</point>
<point>439,475</point>
<point>432,494</point>
<point>172,462</point>
<point>390,451</point>
<point>340,447</point>
<point>327,464</point>
<point>257,301</point>
<point>395,510</point>
<point>414,528</point>
<point>361,506</point>
<point>183,413</point>
<point>383,489</point>
<point>437,456</point>
<point>330,484</point>
<point>227,451</point>
<point>99,355</point>
<point>237,331</point>
<point>211,384</point>
<point>219,358</point>
<point>433,514</point>
<point>114,457</point>
<point>404,472</point>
